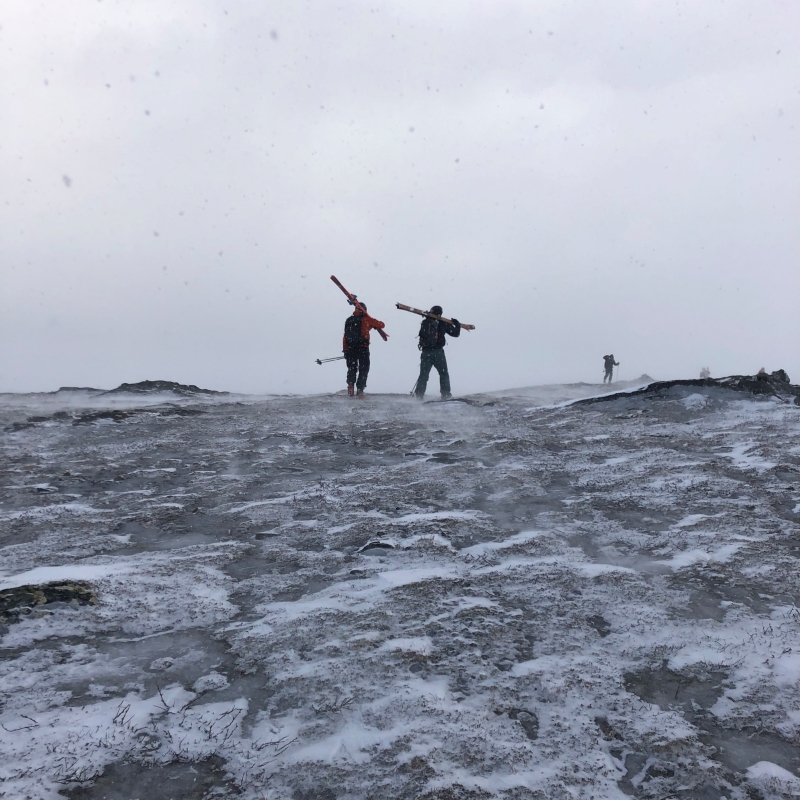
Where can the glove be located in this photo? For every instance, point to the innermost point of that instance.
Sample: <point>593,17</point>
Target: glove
<point>456,322</point>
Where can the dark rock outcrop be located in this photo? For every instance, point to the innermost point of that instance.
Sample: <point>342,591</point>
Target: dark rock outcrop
<point>780,375</point>
<point>157,387</point>
<point>767,385</point>
<point>119,414</point>
<point>110,414</point>
<point>15,602</point>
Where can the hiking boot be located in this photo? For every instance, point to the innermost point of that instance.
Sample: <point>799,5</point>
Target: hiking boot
<point>360,394</point>
<point>351,390</point>
<point>446,395</point>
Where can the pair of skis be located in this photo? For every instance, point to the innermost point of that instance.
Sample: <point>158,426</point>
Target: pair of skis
<point>353,300</point>
<point>433,316</point>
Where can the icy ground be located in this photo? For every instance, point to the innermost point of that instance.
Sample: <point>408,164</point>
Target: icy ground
<point>318,599</point>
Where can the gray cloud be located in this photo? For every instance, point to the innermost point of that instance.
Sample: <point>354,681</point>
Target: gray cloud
<point>573,179</point>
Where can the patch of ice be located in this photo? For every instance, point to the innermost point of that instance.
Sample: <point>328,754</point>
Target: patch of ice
<point>588,568</point>
<point>340,528</point>
<point>256,503</point>
<point>418,644</point>
<point>465,603</point>
<point>512,541</point>
<point>786,669</point>
<point>692,519</point>
<point>740,457</point>
<point>410,519</point>
<point>694,402</point>
<point>551,664</point>
<point>423,538</point>
<point>46,511</point>
<point>68,572</point>
<point>404,577</point>
<point>593,570</point>
<point>702,654</point>
<point>779,782</point>
<point>352,743</point>
<point>210,683</point>
<point>697,556</point>
<point>504,781</point>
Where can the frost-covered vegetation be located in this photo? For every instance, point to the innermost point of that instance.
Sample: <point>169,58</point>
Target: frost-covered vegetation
<point>315,598</point>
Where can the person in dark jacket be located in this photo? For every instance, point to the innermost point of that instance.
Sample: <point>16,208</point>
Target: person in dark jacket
<point>355,346</point>
<point>431,345</point>
<point>609,364</point>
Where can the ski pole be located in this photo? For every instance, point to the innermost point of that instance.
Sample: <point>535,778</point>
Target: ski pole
<point>326,360</point>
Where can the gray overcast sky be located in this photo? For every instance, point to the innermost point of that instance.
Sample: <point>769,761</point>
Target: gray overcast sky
<point>179,178</point>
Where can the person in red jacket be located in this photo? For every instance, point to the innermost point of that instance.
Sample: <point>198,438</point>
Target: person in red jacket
<point>355,346</point>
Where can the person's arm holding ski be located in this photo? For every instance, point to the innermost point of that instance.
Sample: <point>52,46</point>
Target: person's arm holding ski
<point>452,328</point>
<point>375,324</point>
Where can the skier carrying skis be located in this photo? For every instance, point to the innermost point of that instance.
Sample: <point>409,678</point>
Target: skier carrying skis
<point>431,344</point>
<point>609,365</point>
<point>355,346</point>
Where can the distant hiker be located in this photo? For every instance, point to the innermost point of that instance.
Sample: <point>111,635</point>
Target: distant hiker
<point>705,373</point>
<point>609,366</point>
<point>431,344</point>
<point>355,346</point>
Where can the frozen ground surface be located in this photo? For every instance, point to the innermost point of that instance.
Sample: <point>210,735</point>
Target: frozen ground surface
<point>322,599</point>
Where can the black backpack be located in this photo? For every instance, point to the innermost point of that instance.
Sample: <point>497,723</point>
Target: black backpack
<point>429,333</point>
<point>352,332</point>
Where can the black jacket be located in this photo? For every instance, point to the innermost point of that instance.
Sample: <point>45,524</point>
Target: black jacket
<point>610,363</point>
<point>432,332</point>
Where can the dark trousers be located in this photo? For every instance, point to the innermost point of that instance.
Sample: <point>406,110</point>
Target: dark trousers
<point>433,357</point>
<point>608,375</point>
<point>357,365</point>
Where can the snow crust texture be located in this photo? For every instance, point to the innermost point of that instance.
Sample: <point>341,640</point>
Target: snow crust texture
<point>321,599</point>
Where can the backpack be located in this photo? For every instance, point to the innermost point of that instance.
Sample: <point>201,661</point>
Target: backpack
<point>429,333</point>
<point>352,332</point>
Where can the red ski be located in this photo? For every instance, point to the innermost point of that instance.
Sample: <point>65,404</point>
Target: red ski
<point>358,305</point>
